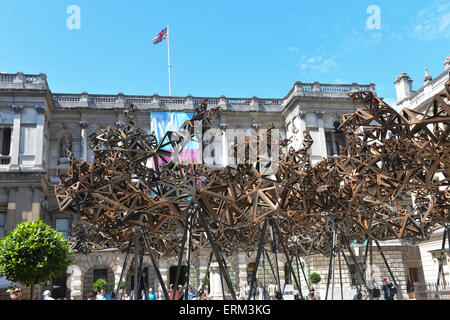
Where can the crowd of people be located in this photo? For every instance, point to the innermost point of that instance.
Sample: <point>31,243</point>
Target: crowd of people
<point>179,294</point>
<point>259,292</point>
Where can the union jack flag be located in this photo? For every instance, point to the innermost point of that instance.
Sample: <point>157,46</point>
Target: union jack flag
<point>161,36</point>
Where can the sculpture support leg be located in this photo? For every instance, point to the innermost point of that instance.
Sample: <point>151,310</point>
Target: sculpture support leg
<point>158,273</point>
<point>258,256</point>
<point>277,230</point>
<point>215,249</point>
<point>340,274</point>
<point>186,291</point>
<point>277,273</point>
<point>123,269</point>
<point>270,264</point>
<point>180,260</point>
<point>389,270</point>
<point>444,235</point>
<point>304,274</point>
<point>135,285</point>
<point>352,254</point>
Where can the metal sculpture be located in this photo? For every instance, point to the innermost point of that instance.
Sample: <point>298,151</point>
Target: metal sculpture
<point>390,158</point>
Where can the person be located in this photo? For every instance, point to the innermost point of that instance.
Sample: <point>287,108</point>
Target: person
<point>296,294</point>
<point>151,294</point>
<point>388,290</point>
<point>90,296</point>
<point>142,295</point>
<point>101,295</point>
<point>309,296</point>
<point>375,290</point>
<point>272,290</point>
<point>191,293</point>
<point>313,292</point>
<point>46,295</point>
<point>260,292</point>
<point>358,295</point>
<point>15,293</point>
<point>253,292</point>
<point>204,297</point>
<point>242,291</point>
<point>158,296</point>
<point>171,297</point>
<point>180,292</point>
<point>126,297</point>
<point>247,291</point>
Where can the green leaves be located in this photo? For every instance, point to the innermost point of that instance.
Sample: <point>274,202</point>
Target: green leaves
<point>34,253</point>
<point>314,278</point>
<point>99,284</point>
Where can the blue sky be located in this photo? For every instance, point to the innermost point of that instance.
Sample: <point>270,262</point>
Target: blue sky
<point>235,48</point>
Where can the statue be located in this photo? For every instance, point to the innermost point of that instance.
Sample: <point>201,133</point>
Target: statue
<point>65,145</point>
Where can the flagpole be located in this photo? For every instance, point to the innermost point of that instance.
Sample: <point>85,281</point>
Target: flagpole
<point>168,58</point>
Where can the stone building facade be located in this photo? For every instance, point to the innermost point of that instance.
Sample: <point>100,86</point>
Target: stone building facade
<point>418,100</point>
<point>39,126</point>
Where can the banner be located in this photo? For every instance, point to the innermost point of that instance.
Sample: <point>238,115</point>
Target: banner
<point>161,122</point>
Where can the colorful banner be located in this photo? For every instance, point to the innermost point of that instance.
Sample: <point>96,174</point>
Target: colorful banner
<point>161,122</point>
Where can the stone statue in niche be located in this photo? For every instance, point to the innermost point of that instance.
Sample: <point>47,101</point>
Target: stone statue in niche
<point>65,146</point>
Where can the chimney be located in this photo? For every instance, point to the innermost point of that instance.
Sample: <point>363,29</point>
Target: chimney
<point>447,63</point>
<point>403,86</point>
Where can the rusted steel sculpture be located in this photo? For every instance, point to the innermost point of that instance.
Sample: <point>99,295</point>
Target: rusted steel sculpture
<point>390,159</point>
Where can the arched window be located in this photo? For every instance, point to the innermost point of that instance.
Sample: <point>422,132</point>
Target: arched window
<point>335,139</point>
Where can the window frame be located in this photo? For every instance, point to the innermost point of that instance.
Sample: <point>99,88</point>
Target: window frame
<point>68,226</point>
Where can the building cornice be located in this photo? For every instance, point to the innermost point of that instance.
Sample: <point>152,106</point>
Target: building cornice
<point>98,102</point>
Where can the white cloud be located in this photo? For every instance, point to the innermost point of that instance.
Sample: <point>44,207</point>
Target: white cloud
<point>293,49</point>
<point>321,63</point>
<point>432,22</point>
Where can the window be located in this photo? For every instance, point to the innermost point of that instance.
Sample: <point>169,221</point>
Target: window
<point>62,225</point>
<point>355,276</point>
<point>5,145</point>
<point>334,140</point>
<point>100,274</point>
<point>2,223</point>
<point>59,287</point>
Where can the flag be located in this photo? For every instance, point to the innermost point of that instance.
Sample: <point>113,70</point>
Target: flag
<point>161,36</point>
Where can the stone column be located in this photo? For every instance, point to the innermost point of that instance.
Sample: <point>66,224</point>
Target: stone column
<point>15,139</point>
<point>75,283</point>
<point>225,148</point>
<point>118,267</point>
<point>240,265</point>
<point>216,283</point>
<point>322,143</point>
<point>84,144</point>
<point>41,111</point>
<point>202,264</point>
<point>333,143</point>
<point>11,213</point>
<point>164,270</point>
<point>300,124</point>
<point>36,204</point>
<point>281,262</point>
